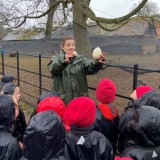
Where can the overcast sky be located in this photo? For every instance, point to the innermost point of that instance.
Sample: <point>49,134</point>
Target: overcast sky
<point>114,8</point>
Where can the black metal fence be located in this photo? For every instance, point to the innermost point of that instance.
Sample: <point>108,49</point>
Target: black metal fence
<point>20,80</point>
<point>38,85</point>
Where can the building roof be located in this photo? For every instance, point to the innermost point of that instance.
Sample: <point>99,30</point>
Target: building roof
<point>134,27</point>
<point>65,32</point>
<point>23,35</point>
<point>131,34</point>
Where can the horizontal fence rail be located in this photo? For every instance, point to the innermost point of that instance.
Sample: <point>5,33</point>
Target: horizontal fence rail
<point>135,70</point>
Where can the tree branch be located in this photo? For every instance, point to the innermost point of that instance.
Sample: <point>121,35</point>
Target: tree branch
<point>90,14</point>
<point>113,29</point>
<point>24,20</point>
<point>57,2</point>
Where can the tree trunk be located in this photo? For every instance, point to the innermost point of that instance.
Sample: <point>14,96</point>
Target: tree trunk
<point>49,24</point>
<point>83,45</point>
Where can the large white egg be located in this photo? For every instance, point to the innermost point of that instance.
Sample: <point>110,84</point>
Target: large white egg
<point>97,52</point>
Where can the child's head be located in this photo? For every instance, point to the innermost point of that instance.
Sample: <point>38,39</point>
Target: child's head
<point>44,137</point>
<point>8,110</point>
<point>105,91</point>
<point>53,103</point>
<point>139,91</point>
<point>8,79</point>
<point>80,112</point>
<point>12,89</point>
<point>47,94</point>
<point>122,158</point>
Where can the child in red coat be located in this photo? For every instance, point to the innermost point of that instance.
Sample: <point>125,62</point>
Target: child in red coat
<point>106,120</point>
<point>82,141</point>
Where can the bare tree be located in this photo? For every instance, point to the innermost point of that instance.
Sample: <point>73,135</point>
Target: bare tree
<point>81,12</point>
<point>149,9</point>
<point>57,17</point>
<point>149,12</point>
<point>49,24</point>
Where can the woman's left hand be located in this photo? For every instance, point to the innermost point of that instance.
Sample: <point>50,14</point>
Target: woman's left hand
<point>102,58</point>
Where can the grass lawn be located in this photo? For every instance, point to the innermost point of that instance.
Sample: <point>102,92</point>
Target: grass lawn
<point>122,79</point>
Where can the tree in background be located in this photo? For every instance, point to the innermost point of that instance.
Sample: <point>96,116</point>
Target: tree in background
<point>43,10</point>
<point>149,12</point>
<point>149,9</point>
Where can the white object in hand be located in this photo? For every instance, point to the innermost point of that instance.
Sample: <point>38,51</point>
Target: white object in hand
<point>97,52</point>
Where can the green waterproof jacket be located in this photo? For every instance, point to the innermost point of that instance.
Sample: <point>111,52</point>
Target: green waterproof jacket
<point>69,78</point>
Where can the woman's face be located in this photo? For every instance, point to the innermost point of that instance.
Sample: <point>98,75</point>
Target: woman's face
<point>17,94</point>
<point>69,46</point>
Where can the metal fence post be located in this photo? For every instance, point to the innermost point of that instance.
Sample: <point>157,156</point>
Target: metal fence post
<point>2,62</point>
<point>40,74</point>
<point>135,76</point>
<point>18,78</point>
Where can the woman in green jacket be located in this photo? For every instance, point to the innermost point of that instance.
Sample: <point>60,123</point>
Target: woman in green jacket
<point>69,70</point>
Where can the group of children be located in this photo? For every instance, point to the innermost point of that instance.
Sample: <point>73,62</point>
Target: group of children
<point>12,119</point>
<point>81,130</point>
